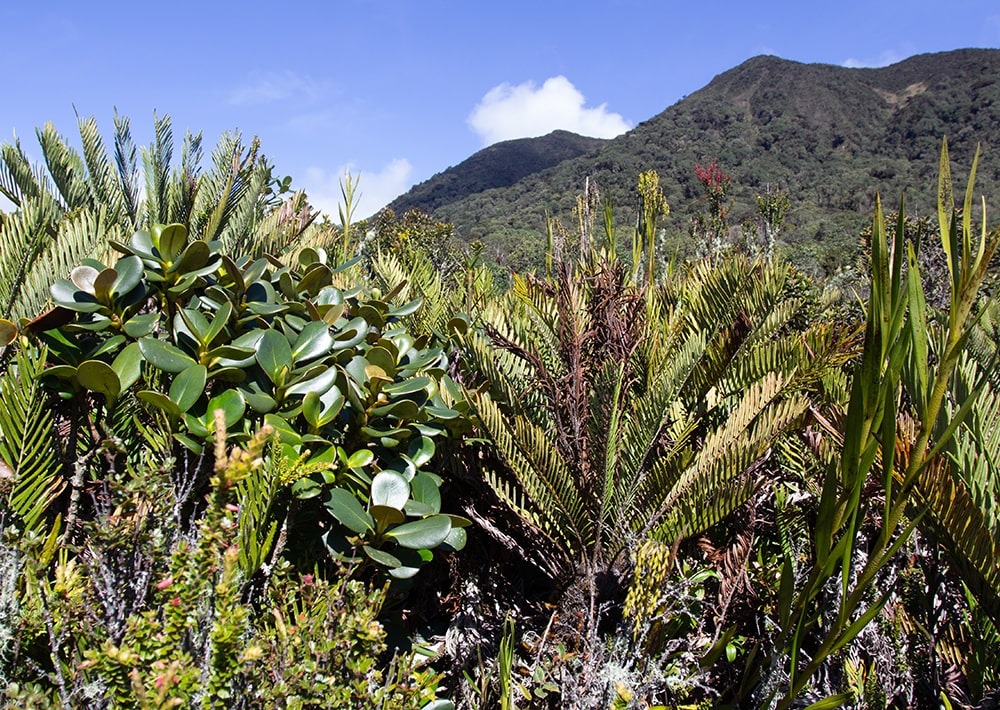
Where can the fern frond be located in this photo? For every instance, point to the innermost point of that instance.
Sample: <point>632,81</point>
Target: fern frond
<point>220,187</point>
<point>245,208</point>
<point>184,182</point>
<point>257,526</point>
<point>959,524</point>
<point>719,471</point>
<point>24,236</point>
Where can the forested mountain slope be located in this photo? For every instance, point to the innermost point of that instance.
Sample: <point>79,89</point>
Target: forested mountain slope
<point>829,135</point>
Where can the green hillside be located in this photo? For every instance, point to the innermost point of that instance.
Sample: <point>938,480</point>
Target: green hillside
<point>831,136</point>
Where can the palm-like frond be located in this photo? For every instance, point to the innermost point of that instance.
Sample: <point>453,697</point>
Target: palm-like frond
<point>156,160</point>
<point>18,180</point>
<point>619,415</point>
<point>128,171</point>
<point>80,235</point>
<point>27,442</point>
<point>23,236</point>
<point>67,169</point>
<point>545,490</point>
<point>73,192</point>
<point>105,187</point>
<point>717,481</point>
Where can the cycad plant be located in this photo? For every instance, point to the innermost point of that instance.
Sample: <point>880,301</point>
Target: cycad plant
<point>618,411</point>
<point>69,207</point>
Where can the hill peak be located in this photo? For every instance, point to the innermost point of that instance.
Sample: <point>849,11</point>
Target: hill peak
<point>496,166</point>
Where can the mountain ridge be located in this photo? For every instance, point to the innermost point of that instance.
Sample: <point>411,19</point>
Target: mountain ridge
<point>832,136</point>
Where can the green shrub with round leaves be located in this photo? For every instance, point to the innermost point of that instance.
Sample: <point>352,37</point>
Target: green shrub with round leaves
<point>356,402</point>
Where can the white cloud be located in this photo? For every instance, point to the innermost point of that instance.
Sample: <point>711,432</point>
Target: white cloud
<point>375,189</point>
<point>268,87</point>
<point>884,59</point>
<point>527,110</point>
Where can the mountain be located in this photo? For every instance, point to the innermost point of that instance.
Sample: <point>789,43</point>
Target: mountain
<point>497,166</point>
<point>831,136</point>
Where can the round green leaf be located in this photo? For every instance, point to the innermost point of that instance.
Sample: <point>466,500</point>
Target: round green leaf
<point>98,376</point>
<point>170,240</point>
<point>219,322</point>
<point>311,255</point>
<point>66,294</point>
<point>188,386</point>
<point>456,539</point>
<point>8,332</point>
<point>405,309</point>
<point>311,409</point>
<point>142,244</point>
<point>360,458</point>
<point>421,450</point>
<point>412,561</point>
<point>306,488</point>
<point>319,383</point>
<point>286,432</point>
<point>314,341</point>
<point>83,277</point>
<point>260,402</point>
<point>400,409</point>
<point>160,401</point>
<point>193,259</point>
<point>390,489</point>
<point>345,507</point>
<point>385,516</point>
<point>315,278</point>
<point>128,365</point>
<point>408,386</point>
<point>416,509</point>
<point>273,354</point>
<point>232,375</point>
<point>164,356</point>
<point>102,285</point>
<point>425,490</point>
<point>382,557</point>
<point>423,533</point>
<point>382,358</point>
<point>197,425</point>
<point>140,325</point>
<point>128,274</point>
<point>231,403</point>
<point>189,443</point>
<point>352,333</point>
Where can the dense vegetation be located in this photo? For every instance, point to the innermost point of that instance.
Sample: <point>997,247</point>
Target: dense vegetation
<point>829,136</point>
<point>252,459</point>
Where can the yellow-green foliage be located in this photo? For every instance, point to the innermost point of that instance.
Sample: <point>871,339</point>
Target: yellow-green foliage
<point>191,637</point>
<point>653,562</point>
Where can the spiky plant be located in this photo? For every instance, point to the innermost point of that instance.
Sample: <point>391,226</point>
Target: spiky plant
<point>875,495</point>
<point>69,207</point>
<point>616,413</point>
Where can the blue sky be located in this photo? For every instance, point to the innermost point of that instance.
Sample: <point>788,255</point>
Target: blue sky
<point>396,91</point>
